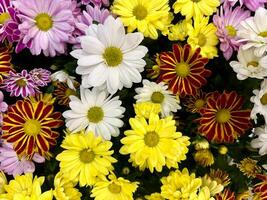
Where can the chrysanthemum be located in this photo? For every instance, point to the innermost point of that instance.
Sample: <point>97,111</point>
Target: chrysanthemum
<point>154,143</point>
<point>249,65</point>
<point>95,111</point>
<point>195,102</point>
<point>40,76</point>
<point>154,196</point>
<point>193,8</point>
<point>64,77</point>
<point>5,62</point>
<point>183,69</point>
<point>144,15</point>
<point>226,194</point>
<point>158,93</point>
<point>227,21</point>
<point>26,187</point>
<point>96,2</point>
<point>29,127</point>
<point>249,167</point>
<point>260,189</point>
<point>63,93</point>
<point>254,33</point>
<point>3,181</point>
<point>178,31</point>
<point>85,158</point>
<point>48,24</point>
<point>20,84</point>
<point>221,177</point>
<point>222,120</point>
<point>253,5</point>
<point>114,189</point>
<point>203,35</point>
<point>145,109</point>
<point>214,186</point>
<point>3,107</point>
<point>261,141</point>
<point>204,157</point>
<point>113,60</point>
<point>12,164</point>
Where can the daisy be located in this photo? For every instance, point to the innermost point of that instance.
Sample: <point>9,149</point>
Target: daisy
<point>40,76</point>
<point>249,167</point>
<point>183,70</point>
<point>227,21</point>
<point>249,65</point>
<point>95,111</point>
<point>260,188</point>
<point>48,24</point>
<point>226,194</point>
<point>144,15</point>
<point>3,107</point>
<point>5,62</point>
<point>261,141</point>
<point>254,32</point>
<point>64,77</point>
<point>158,93</point>
<point>195,102</point>
<point>109,57</point>
<point>221,177</point>
<point>96,2</point>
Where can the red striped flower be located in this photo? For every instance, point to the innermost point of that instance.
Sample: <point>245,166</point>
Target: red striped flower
<point>5,65</point>
<point>28,126</point>
<point>222,120</point>
<point>260,189</point>
<point>183,69</point>
<point>225,195</point>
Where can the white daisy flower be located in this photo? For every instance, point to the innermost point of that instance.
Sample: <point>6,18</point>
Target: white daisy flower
<point>95,111</point>
<point>253,30</point>
<point>260,102</point>
<point>110,57</point>
<point>261,141</point>
<point>63,77</point>
<point>158,93</point>
<point>249,65</point>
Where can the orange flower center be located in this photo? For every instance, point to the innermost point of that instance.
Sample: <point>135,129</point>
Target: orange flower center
<point>264,99</point>
<point>87,156</point>
<point>157,97</point>
<point>199,103</point>
<point>182,69</point>
<point>32,127</point>
<point>223,115</point>
<point>151,139</point>
<point>114,188</point>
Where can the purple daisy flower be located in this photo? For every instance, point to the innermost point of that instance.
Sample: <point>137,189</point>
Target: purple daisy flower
<point>3,106</point>
<point>11,164</point>
<point>96,2</point>
<point>252,5</point>
<point>40,76</point>
<point>227,21</point>
<point>48,24</point>
<point>20,84</point>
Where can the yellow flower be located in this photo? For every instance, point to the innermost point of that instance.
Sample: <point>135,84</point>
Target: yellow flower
<point>249,167</point>
<point>204,157</point>
<point>201,144</point>
<point>144,109</point>
<point>86,157</point>
<point>24,187</point>
<point>154,196</point>
<point>64,189</point>
<point>178,31</point>
<point>144,15</point>
<point>154,143</point>
<point>213,186</point>
<point>221,177</point>
<point>223,150</point>
<point>114,189</point>
<point>204,194</point>
<point>203,35</point>
<point>3,181</point>
<point>192,8</point>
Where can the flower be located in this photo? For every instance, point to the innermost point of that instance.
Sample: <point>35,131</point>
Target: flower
<point>226,194</point>
<point>3,106</point>
<point>249,167</point>
<point>63,77</point>
<point>249,65</point>
<point>95,111</point>
<point>12,164</point>
<point>40,76</point>
<point>48,24</point>
<point>183,70</point>
<point>178,31</point>
<point>204,157</point>
<point>260,101</point>
<point>3,181</point>
<point>203,35</point>
<point>29,127</point>
<point>221,177</point>
<point>154,196</point>
<point>227,21</point>
<point>222,120</point>
<point>158,93</point>
<point>254,33</point>
<point>213,185</point>
<point>145,109</point>
<point>114,189</point>
<point>146,16</point>
<point>96,2</point>
<point>65,189</point>
<point>24,187</point>
<point>253,5</point>
<point>189,8</point>
<point>85,158</point>
<point>261,141</point>
<point>106,62</point>
<point>5,63</point>
<point>20,84</point>
<point>195,102</point>
<point>154,144</point>
<point>63,93</point>
<point>201,144</point>
<point>260,188</point>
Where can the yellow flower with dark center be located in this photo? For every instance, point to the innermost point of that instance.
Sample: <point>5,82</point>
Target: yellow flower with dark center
<point>249,167</point>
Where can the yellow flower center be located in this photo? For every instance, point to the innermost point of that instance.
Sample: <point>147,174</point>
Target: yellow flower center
<point>44,21</point>
<point>263,34</point>
<point>182,69</point>
<point>87,156</point>
<point>151,139</point>
<point>4,17</point>
<point>69,92</point>
<point>140,12</point>
<point>253,63</point>
<point>223,116</point>
<point>32,127</point>
<point>157,97</point>
<point>95,114</point>
<point>113,56</point>
<point>202,39</point>
<point>199,103</point>
<point>264,99</point>
<point>114,188</point>
<point>231,30</point>
<point>21,82</point>
<point>249,167</point>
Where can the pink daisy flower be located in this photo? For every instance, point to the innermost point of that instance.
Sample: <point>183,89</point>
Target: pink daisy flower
<point>227,21</point>
<point>252,5</point>
<point>20,84</point>
<point>40,76</point>
<point>48,24</point>
<point>11,164</point>
<point>96,2</point>
<point>3,106</point>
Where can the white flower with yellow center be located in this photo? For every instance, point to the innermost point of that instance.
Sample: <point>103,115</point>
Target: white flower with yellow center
<point>96,112</point>
<point>261,141</point>
<point>158,93</point>
<point>249,65</point>
<point>109,57</point>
